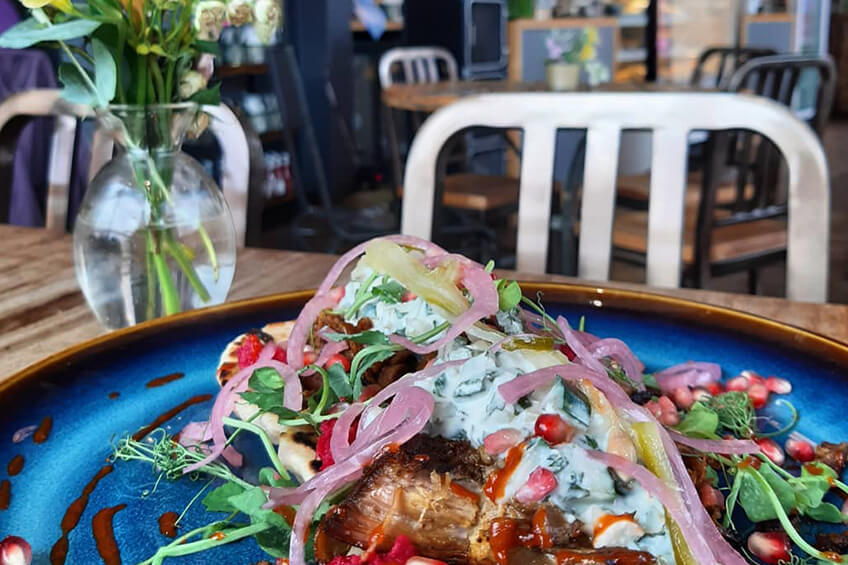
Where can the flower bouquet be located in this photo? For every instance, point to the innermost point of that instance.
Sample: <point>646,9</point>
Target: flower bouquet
<point>153,235</point>
<point>569,51</point>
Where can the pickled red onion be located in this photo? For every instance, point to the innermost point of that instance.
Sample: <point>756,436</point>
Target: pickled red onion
<point>584,356</point>
<point>618,350</point>
<point>330,348</point>
<point>691,374</point>
<point>723,446</point>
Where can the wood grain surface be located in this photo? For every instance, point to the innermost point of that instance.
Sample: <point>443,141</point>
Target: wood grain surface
<point>42,310</point>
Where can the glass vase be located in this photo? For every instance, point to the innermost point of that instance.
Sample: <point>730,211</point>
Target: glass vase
<point>154,235</point>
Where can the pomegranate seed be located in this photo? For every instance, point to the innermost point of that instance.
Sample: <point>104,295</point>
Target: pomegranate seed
<point>737,384</point>
<point>568,352</point>
<point>772,450</point>
<point>337,293</point>
<point>778,385</point>
<point>248,352</point>
<point>280,355</point>
<point>669,416</point>
<point>553,429</point>
<point>683,397</point>
<point>800,450</point>
<point>752,377</point>
<point>771,547</point>
<point>500,441</point>
<point>408,296</point>
<point>758,393</point>
<point>701,395</point>
<point>15,551</point>
<point>710,496</point>
<point>338,358</point>
<point>714,388</point>
<point>309,357</point>
<point>654,408</point>
<point>541,483</point>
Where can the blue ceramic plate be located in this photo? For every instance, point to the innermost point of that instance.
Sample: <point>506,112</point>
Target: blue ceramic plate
<point>99,391</point>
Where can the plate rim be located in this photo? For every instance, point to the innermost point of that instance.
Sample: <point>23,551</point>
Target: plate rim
<point>754,325</point>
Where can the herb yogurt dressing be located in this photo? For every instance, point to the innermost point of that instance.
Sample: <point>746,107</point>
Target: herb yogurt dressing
<point>468,405</point>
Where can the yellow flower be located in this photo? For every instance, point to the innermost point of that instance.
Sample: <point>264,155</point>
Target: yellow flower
<point>63,5</point>
<point>592,35</point>
<point>587,53</point>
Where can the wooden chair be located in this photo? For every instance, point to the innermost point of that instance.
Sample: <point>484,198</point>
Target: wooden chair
<point>16,109</point>
<point>671,116</point>
<point>469,192</point>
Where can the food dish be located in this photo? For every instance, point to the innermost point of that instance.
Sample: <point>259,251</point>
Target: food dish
<point>471,468</point>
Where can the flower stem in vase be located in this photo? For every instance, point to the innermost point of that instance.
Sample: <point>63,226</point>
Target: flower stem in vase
<point>167,289</point>
<point>175,250</point>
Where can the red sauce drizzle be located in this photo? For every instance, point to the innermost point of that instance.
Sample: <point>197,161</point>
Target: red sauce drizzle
<point>104,534</point>
<point>161,381</point>
<point>813,469</point>
<point>114,395</point>
<point>168,524</point>
<point>43,431</point>
<point>5,494</point>
<point>16,465</point>
<point>497,480</point>
<point>287,512</point>
<point>503,536</point>
<point>608,520</point>
<point>463,492</point>
<point>165,416</point>
<point>59,551</point>
<point>541,538</point>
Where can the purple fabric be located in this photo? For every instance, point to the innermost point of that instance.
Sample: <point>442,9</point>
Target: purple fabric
<point>8,15</point>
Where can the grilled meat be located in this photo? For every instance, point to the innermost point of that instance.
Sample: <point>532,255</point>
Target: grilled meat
<point>834,455</point>
<point>430,490</point>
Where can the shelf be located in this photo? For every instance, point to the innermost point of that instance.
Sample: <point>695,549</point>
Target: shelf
<point>633,20</point>
<point>356,25</point>
<point>271,136</point>
<point>241,70</point>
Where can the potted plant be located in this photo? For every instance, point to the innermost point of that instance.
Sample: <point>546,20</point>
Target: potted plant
<point>569,52</point>
<point>153,235</point>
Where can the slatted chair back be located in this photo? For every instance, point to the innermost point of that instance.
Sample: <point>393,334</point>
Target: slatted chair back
<point>716,64</point>
<point>417,65</point>
<point>670,116</point>
<point>18,108</point>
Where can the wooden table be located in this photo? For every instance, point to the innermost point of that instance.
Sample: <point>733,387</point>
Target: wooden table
<point>42,310</point>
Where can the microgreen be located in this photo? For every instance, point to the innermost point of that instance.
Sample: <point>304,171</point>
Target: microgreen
<point>509,294</point>
<point>735,412</point>
<point>700,422</point>
<point>370,337</point>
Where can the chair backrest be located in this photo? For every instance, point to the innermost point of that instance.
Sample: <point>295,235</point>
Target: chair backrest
<point>418,65</point>
<point>723,62</point>
<point>48,102</point>
<point>671,116</point>
<point>777,76</point>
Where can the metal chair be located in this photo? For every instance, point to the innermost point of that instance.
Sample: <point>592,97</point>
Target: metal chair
<point>671,116</point>
<point>419,65</point>
<point>16,109</point>
<point>725,60</point>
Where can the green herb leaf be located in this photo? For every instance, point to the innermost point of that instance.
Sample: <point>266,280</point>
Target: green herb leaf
<point>339,381</point>
<point>509,294</point>
<point>266,379</point>
<point>29,32</point>
<point>370,337</point>
<point>390,291</point>
<point>699,422</point>
<point>210,47</point>
<point>754,500</point>
<point>219,499</point>
<point>268,477</point>
<point>251,501</point>
<point>490,266</point>
<point>576,405</point>
<point>825,512</point>
<point>208,96</point>
<point>650,381</point>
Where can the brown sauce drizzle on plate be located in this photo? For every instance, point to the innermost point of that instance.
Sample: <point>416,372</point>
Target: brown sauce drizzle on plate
<point>114,395</point>
<point>5,494</point>
<point>161,381</point>
<point>43,431</point>
<point>168,524</point>
<point>59,551</point>
<point>16,465</point>
<point>104,534</point>
<point>165,416</point>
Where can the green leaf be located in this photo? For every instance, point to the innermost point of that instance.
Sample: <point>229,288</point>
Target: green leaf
<point>825,512</point>
<point>339,381</point>
<point>576,405</point>
<point>210,47</point>
<point>219,499</point>
<point>755,501</point>
<point>370,337</point>
<point>699,422</point>
<point>650,381</point>
<point>105,71</point>
<point>274,541</point>
<point>509,294</point>
<point>251,501</point>
<point>365,359</point>
<point>391,292</point>
<point>208,96</point>
<point>76,88</point>
<point>29,32</point>
<point>266,379</point>
<point>268,477</point>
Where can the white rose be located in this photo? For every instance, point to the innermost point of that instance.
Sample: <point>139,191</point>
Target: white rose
<point>190,83</point>
<point>267,19</point>
<point>240,12</point>
<point>209,19</point>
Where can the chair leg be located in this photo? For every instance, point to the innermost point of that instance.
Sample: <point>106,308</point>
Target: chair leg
<point>753,279</point>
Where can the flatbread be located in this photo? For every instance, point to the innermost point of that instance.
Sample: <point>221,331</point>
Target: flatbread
<point>296,446</point>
